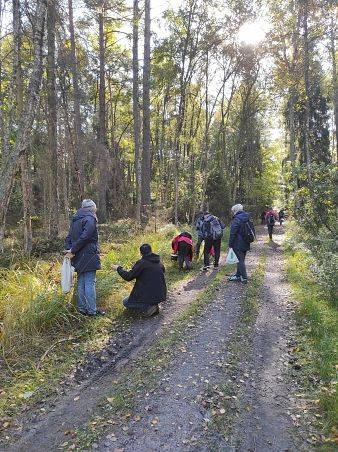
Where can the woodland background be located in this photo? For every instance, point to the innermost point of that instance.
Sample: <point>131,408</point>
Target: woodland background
<point>164,117</point>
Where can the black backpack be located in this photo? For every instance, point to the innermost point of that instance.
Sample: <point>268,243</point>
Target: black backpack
<point>248,231</point>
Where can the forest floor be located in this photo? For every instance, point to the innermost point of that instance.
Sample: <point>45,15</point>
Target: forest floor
<point>214,371</point>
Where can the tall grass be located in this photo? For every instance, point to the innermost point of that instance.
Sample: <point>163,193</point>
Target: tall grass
<point>31,303</point>
<point>318,323</point>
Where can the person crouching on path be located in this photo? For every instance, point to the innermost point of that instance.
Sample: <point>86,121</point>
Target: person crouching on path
<point>238,242</point>
<point>182,245</point>
<point>150,286</point>
<point>212,230</point>
<point>83,250</point>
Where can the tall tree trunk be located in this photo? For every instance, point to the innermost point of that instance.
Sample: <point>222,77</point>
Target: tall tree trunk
<point>292,128</point>
<point>102,133</point>
<point>334,79</point>
<point>307,154</point>
<point>25,123</point>
<point>52,120</point>
<point>24,159</point>
<point>78,155</point>
<point>146,116</point>
<point>136,111</point>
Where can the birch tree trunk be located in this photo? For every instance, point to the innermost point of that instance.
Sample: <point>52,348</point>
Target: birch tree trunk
<point>11,163</point>
<point>24,158</point>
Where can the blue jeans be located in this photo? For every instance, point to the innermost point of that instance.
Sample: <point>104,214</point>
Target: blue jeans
<point>241,269</point>
<point>86,294</point>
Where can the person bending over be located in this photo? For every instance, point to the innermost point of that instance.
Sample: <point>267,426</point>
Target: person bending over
<point>182,245</point>
<point>150,286</point>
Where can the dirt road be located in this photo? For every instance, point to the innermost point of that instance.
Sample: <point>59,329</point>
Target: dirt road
<point>225,384</point>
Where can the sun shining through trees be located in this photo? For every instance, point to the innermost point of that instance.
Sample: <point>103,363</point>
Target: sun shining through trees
<point>156,110</point>
<point>252,33</point>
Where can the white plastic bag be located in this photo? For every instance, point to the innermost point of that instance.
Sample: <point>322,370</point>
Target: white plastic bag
<point>231,257</point>
<point>67,274</point>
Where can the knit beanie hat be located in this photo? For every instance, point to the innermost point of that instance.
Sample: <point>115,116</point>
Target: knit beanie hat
<point>236,208</point>
<point>88,203</point>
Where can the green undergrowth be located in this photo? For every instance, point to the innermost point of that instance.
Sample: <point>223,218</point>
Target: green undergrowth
<point>145,372</point>
<point>42,336</point>
<point>318,338</point>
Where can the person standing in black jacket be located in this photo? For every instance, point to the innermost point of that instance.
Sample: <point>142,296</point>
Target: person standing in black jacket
<point>82,248</point>
<point>238,242</point>
<point>150,287</point>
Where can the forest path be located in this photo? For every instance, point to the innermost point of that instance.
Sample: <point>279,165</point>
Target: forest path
<point>42,427</point>
<point>226,386</point>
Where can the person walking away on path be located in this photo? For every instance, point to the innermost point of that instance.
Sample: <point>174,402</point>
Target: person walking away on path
<point>270,218</point>
<point>281,216</point>
<point>212,231</point>
<point>263,214</point>
<point>83,250</point>
<point>150,287</point>
<point>182,245</point>
<point>242,233</point>
<point>198,226</point>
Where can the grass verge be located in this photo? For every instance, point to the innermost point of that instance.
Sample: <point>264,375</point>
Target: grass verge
<point>318,338</point>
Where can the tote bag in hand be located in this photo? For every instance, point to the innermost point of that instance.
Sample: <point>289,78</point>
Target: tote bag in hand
<point>67,275</point>
<point>231,257</point>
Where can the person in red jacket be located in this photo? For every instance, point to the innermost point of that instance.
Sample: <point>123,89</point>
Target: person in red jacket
<point>182,245</point>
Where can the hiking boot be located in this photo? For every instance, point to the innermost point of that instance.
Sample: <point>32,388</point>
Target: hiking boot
<point>234,278</point>
<point>98,313</point>
<point>82,312</point>
<point>244,280</point>
<point>216,265</point>
<point>152,310</point>
<point>206,267</point>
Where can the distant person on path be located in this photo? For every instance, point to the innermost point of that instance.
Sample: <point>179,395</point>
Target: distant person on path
<point>198,227</point>
<point>83,250</point>
<point>242,233</point>
<point>281,216</point>
<point>270,218</point>
<point>182,245</point>
<point>150,286</point>
<point>212,232</point>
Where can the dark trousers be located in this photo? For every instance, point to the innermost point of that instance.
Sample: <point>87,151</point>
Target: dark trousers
<point>208,244</point>
<point>198,246</point>
<point>241,268</point>
<point>270,230</point>
<point>184,258</point>
<point>184,252</point>
<point>139,306</point>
